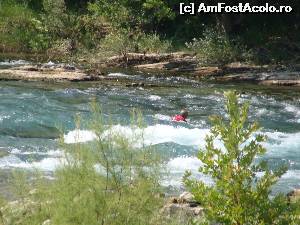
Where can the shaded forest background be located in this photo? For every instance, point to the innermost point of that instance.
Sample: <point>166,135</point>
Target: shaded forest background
<point>109,27</point>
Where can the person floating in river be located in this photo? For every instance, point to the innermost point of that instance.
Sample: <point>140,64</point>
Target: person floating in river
<point>181,117</point>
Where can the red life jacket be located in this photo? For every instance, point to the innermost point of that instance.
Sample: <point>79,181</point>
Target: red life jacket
<point>179,118</point>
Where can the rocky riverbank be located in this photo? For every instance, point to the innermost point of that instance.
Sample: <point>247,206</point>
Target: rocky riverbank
<point>44,73</point>
<point>175,64</point>
<point>183,208</point>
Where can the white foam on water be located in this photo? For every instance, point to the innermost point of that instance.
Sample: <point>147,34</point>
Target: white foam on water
<point>154,97</point>
<point>190,96</point>
<point>292,174</point>
<point>180,135</point>
<point>4,117</point>
<point>162,117</point>
<point>178,166</point>
<point>71,91</point>
<point>292,109</point>
<point>280,143</point>
<point>53,153</point>
<point>216,98</point>
<point>181,164</point>
<point>156,134</point>
<point>79,136</point>
<point>262,111</point>
<point>10,159</point>
<point>160,133</point>
<point>260,100</point>
<point>152,135</point>
<point>47,164</point>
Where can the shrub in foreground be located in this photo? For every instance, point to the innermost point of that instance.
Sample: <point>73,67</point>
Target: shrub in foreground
<point>239,196</point>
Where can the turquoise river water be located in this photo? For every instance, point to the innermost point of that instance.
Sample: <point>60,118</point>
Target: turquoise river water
<point>30,113</point>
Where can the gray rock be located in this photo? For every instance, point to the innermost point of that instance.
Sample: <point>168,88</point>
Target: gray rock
<point>183,207</point>
<point>294,195</point>
<point>70,67</point>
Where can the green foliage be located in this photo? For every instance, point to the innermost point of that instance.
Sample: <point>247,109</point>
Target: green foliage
<point>122,42</point>
<point>116,13</point>
<point>23,30</point>
<point>55,17</point>
<point>14,19</point>
<point>152,43</point>
<point>108,181</point>
<point>215,48</point>
<point>239,195</point>
<point>38,38</point>
<point>69,27</point>
<point>90,29</point>
<point>159,10</point>
<point>116,43</point>
<point>132,14</point>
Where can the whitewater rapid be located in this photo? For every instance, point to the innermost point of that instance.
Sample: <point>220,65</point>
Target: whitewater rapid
<point>278,144</point>
<point>30,114</point>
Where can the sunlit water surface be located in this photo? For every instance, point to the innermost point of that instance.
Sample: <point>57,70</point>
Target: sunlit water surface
<point>31,114</point>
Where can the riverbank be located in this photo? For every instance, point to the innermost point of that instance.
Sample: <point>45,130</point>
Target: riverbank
<point>178,64</point>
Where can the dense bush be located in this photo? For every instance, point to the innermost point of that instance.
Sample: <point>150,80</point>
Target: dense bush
<point>59,32</point>
<point>122,42</point>
<point>152,43</point>
<point>239,195</point>
<point>15,27</point>
<point>68,28</point>
<point>143,14</point>
<point>52,30</point>
<point>215,48</point>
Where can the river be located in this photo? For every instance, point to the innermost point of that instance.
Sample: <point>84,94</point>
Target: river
<point>31,112</point>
